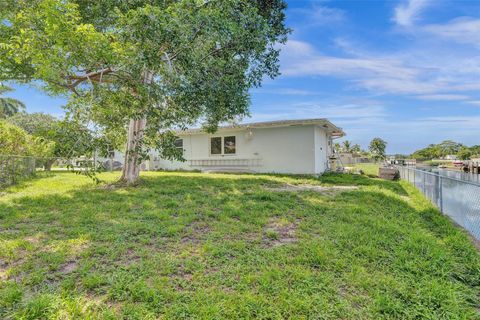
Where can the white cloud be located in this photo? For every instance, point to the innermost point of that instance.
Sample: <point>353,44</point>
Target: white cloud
<point>391,84</point>
<point>444,97</point>
<point>284,91</point>
<point>432,73</point>
<point>328,65</point>
<point>300,59</point>
<point>409,11</point>
<point>319,15</point>
<point>456,123</point>
<point>324,15</point>
<point>461,30</point>
<point>347,112</point>
<point>295,49</point>
<point>379,74</point>
<point>474,102</point>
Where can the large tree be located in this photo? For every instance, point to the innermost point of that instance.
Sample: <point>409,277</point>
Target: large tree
<point>430,152</point>
<point>69,139</point>
<point>37,124</point>
<point>143,68</point>
<point>449,147</point>
<point>9,106</point>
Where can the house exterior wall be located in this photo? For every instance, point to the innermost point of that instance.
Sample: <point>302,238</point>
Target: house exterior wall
<point>293,149</point>
<point>321,150</point>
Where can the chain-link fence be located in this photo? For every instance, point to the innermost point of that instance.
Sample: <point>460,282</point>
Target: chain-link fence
<point>13,168</point>
<point>459,199</point>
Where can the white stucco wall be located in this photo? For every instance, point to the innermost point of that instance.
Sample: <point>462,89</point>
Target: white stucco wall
<point>293,149</point>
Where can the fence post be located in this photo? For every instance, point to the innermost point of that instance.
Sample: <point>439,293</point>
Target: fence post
<point>440,190</point>
<point>13,169</point>
<point>424,187</point>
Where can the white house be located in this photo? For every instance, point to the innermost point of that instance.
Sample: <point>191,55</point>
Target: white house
<point>289,146</point>
<point>450,157</point>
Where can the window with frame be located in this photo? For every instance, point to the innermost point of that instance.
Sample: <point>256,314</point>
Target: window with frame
<point>229,145</point>
<point>179,144</point>
<point>223,145</point>
<point>216,145</point>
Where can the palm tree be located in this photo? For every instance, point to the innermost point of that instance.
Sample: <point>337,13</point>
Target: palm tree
<point>347,146</point>
<point>9,106</point>
<point>356,148</point>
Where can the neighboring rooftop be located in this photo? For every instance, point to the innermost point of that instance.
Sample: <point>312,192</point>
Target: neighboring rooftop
<point>335,131</point>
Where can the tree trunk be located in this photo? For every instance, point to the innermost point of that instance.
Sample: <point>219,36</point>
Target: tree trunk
<point>131,167</point>
<point>136,129</point>
<point>48,164</point>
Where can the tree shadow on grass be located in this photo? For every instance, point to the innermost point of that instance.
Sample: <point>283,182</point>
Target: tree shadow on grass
<point>176,239</point>
<point>22,182</point>
<point>361,180</point>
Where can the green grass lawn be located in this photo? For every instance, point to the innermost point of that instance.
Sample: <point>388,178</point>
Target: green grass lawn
<point>370,169</point>
<point>211,246</point>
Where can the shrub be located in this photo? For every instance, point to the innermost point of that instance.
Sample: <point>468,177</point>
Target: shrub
<point>16,141</point>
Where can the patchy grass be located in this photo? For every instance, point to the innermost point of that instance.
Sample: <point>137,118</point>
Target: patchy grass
<point>370,169</point>
<point>185,245</point>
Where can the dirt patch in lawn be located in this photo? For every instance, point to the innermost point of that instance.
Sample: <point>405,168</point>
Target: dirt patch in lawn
<point>35,240</point>
<point>195,233</point>
<point>130,257</point>
<point>309,187</point>
<point>279,232</point>
<point>68,267</point>
<point>3,269</point>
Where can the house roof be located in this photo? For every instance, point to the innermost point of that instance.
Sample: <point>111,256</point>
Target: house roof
<point>325,123</point>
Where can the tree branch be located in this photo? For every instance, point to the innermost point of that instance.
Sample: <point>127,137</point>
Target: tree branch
<point>95,76</point>
<point>217,50</point>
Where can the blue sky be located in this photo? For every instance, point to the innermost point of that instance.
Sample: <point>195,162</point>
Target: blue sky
<point>407,71</point>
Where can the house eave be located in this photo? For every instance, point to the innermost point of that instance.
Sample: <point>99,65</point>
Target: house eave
<point>335,131</point>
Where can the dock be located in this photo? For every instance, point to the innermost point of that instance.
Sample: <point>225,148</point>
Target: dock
<point>471,167</point>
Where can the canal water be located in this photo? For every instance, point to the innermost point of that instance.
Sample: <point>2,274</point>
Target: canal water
<point>455,174</point>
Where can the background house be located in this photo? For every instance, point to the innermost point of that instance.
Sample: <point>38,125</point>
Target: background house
<point>450,157</point>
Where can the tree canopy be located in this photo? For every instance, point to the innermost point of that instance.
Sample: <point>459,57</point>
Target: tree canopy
<point>445,148</point>
<point>69,139</point>
<point>170,63</point>
<point>37,124</point>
